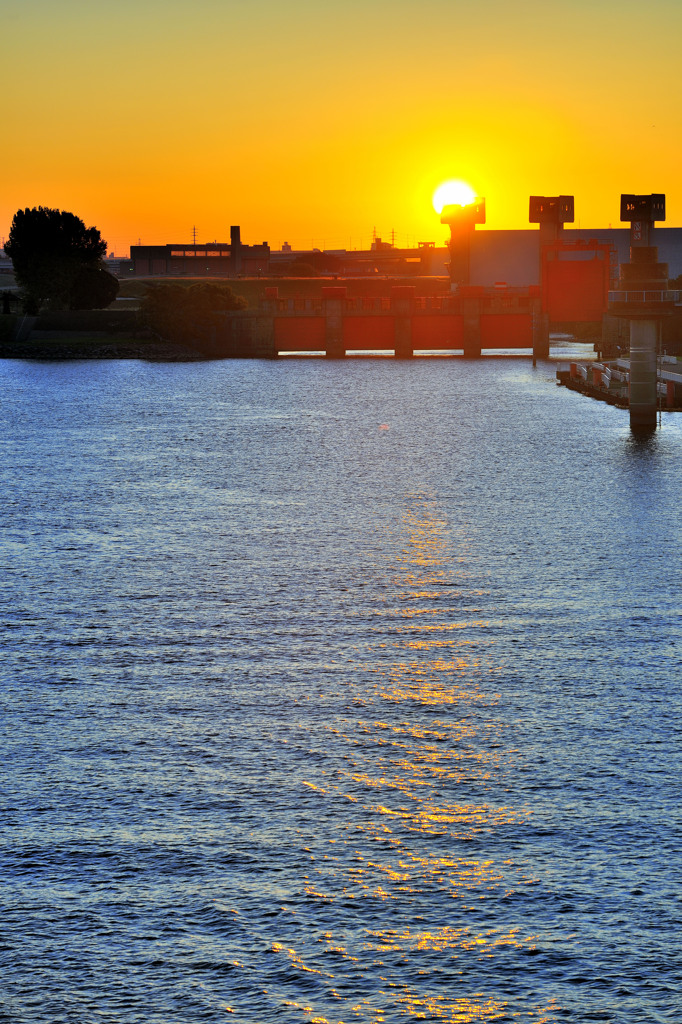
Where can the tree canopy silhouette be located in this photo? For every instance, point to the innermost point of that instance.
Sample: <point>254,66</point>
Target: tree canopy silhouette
<point>54,255</point>
<point>93,288</point>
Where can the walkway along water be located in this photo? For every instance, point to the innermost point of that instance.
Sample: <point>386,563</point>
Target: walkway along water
<point>610,381</point>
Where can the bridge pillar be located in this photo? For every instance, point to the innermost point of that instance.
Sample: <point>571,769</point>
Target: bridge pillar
<point>643,299</point>
<point>402,326</point>
<point>551,213</point>
<point>402,304</point>
<point>644,337</point>
<point>462,221</point>
<point>333,302</point>
<point>263,337</point>
<point>540,334</point>
<point>471,328</point>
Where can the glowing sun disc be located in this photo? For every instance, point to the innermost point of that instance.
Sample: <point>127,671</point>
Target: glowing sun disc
<point>452,193</point>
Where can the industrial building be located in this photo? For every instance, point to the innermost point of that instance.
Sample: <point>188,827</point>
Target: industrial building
<point>512,256</point>
<point>209,259</point>
<point>509,256</point>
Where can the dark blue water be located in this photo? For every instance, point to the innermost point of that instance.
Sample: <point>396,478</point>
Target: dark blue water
<point>337,692</point>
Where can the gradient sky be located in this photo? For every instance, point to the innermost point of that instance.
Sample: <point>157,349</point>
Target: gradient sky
<point>314,122</point>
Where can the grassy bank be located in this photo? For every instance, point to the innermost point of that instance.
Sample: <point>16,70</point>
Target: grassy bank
<point>253,289</point>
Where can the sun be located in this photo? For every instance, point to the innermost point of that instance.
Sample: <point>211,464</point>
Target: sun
<point>452,193</point>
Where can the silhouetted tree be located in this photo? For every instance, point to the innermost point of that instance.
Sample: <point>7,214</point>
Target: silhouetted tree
<point>185,313</point>
<point>49,249</point>
<point>94,288</point>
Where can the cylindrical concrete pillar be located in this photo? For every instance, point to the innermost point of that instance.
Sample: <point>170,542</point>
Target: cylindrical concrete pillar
<point>540,334</point>
<point>643,351</point>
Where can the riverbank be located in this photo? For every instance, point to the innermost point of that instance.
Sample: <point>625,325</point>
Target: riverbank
<point>87,334</point>
<point>98,347</point>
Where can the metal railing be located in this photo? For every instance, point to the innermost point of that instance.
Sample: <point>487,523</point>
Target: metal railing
<point>645,296</point>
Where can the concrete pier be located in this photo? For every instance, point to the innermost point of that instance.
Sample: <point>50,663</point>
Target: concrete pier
<point>471,328</point>
<point>333,323</point>
<point>540,335</point>
<point>402,306</point>
<point>643,299</point>
<point>644,346</point>
<point>550,213</point>
<point>609,381</point>
<point>462,221</point>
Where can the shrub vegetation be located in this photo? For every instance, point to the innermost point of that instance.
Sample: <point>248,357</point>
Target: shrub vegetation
<point>185,313</point>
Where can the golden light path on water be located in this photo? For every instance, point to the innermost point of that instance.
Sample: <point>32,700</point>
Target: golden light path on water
<point>309,720</point>
<point>434,661</point>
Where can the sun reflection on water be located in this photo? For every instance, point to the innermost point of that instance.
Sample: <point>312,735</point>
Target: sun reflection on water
<point>416,779</point>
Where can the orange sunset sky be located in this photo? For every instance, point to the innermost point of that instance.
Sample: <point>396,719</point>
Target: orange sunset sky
<point>314,122</point>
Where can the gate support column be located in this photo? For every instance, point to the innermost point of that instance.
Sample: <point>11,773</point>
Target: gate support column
<point>333,302</point>
<point>402,328</point>
<point>471,328</point>
<point>643,352</point>
<point>263,337</point>
<point>540,333</point>
<point>643,299</point>
<point>402,305</point>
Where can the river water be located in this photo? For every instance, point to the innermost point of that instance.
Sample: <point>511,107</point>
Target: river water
<point>337,692</point>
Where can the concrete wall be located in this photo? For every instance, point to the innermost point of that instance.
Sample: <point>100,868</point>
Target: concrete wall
<point>510,256</point>
<point>513,256</point>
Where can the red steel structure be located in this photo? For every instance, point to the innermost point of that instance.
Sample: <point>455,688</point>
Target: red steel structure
<point>475,319</point>
<point>576,277</point>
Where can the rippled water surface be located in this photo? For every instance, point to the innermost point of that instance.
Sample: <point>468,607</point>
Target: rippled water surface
<point>337,692</point>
